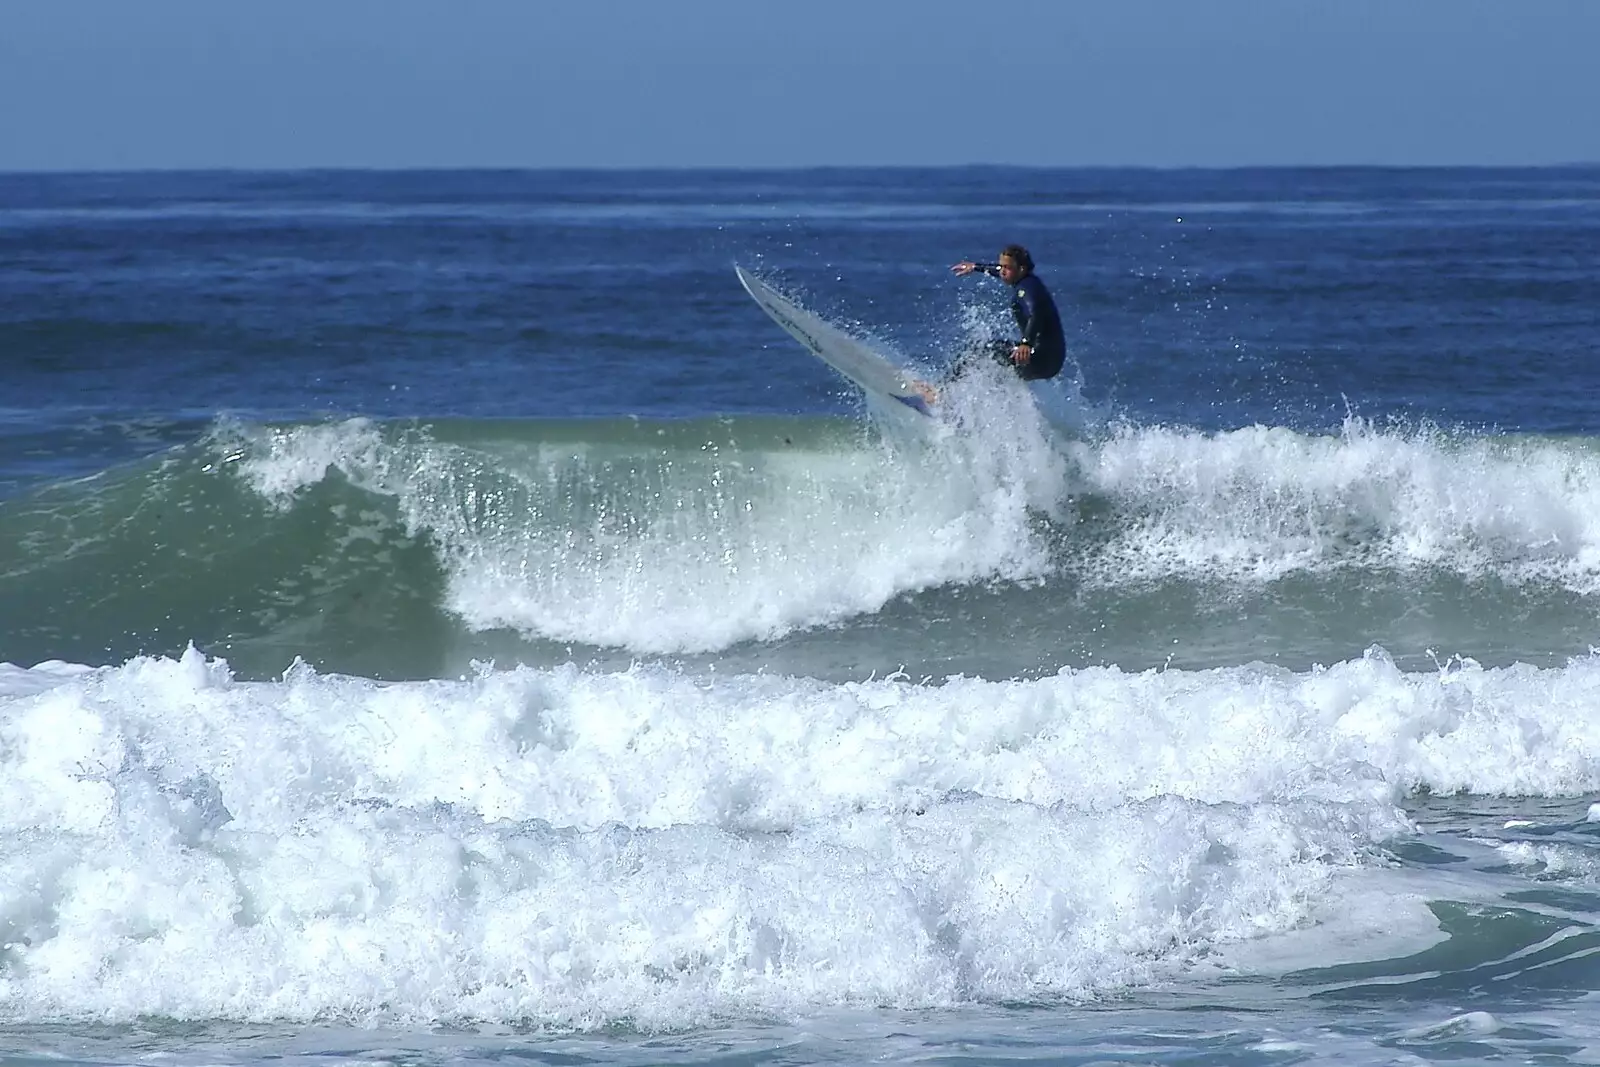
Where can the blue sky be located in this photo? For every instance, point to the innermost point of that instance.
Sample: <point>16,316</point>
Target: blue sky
<point>109,84</point>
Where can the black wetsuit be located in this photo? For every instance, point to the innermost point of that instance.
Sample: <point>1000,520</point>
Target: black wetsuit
<point>1040,324</point>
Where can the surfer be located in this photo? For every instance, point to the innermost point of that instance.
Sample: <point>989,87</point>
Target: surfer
<point>1043,347</point>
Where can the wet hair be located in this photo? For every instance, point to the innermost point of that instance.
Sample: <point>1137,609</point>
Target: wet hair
<point>1020,256</point>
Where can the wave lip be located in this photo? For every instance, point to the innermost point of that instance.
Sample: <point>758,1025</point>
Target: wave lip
<point>404,550</point>
<point>704,544</point>
<point>688,545</point>
<point>1261,503</point>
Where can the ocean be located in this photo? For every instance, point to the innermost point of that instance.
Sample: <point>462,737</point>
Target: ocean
<point>444,621</point>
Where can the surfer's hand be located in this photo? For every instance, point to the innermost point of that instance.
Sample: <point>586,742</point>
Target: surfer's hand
<point>966,266</point>
<point>1021,354</point>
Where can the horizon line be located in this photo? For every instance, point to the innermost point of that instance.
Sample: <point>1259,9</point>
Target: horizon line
<point>774,168</point>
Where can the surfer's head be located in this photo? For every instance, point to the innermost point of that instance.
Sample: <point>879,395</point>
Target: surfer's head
<point>1015,262</point>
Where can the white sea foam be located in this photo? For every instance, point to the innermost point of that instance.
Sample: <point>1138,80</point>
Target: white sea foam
<point>690,551</point>
<point>1555,862</point>
<point>696,550</point>
<point>1263,502</point>
<point>580,848</point>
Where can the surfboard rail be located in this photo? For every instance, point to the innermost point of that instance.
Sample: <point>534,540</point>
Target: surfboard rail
<point>851,357</point>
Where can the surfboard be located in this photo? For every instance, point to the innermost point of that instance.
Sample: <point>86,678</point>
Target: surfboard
<point>871,371</point>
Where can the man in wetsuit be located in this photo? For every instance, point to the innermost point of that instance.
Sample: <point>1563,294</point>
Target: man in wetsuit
<point>1043,347</point>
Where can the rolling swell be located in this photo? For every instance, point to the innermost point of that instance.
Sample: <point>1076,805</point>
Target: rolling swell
<point>150,556</point>
<point>807,546</point>
<point>387,550</point>
<point>671,538</point>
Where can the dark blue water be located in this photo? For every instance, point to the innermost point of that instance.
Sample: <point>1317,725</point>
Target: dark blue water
<point>468,628</point>
<point>1213,299</point>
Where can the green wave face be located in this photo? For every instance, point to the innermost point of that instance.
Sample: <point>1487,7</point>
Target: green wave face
<point>805,545</point>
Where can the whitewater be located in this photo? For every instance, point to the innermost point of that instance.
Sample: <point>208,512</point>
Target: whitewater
<point>412,653</point>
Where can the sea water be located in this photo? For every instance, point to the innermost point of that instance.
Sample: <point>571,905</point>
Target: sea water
<point>443,620</point>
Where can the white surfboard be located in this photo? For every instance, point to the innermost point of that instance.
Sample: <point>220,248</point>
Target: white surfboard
<point>873,372</point>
